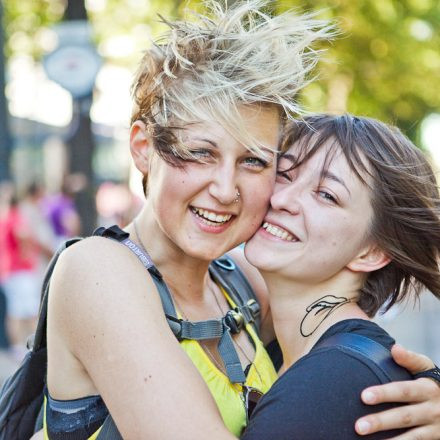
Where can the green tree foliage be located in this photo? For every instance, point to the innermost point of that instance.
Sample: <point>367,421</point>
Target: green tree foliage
<point>26,23</point>
<point>385,63</point>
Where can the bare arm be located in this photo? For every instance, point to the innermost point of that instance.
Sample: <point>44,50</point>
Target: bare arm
<point>422,395</point>
<point>108,313</point>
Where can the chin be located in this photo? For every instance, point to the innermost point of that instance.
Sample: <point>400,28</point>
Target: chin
<point>205,254</point>
<point>257,256</point>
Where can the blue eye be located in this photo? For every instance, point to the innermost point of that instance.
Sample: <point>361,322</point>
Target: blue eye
<point>200,153</point>
<point>256,162</point>
<point>327,196</point>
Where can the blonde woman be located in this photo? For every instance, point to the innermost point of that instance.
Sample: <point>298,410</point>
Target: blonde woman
<point>210,103</point>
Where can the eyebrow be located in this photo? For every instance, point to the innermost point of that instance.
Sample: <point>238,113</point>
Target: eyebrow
<point>214,144</point>
<point>287,156</point>
<point>329,175</point>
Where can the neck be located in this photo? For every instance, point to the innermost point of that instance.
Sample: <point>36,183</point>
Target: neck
<point>186,276</point>
<point>303,312</point>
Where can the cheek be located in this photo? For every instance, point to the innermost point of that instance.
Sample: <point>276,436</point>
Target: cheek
<point>257,199</point>
<point>261,190</point>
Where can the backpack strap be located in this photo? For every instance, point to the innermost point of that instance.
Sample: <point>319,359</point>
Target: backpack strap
<point>363,347</point>
<point>39,338</point>
<point>226,273</point>
<point>220,329</point>
<point>117,234</point>
<point>109,431</point>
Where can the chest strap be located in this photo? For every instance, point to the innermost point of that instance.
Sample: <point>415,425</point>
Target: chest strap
<point>221,329</point>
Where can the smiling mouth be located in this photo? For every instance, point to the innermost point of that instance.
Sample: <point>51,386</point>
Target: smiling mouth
<point>278,232</point>
<point>211,218</point>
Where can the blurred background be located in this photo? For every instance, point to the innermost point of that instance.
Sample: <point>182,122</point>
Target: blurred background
<point>65,74</point>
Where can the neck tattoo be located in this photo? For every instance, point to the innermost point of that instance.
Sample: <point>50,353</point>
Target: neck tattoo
<point>321,309</point>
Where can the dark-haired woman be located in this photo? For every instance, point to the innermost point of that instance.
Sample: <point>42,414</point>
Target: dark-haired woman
<point>353,226</point>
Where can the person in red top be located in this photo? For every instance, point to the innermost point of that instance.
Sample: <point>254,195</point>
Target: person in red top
<point>19,276</point>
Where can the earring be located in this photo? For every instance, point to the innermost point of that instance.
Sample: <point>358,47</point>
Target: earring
<point>237,196</point>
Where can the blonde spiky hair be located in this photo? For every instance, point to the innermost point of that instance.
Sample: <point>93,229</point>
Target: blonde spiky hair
<point>206,68</point>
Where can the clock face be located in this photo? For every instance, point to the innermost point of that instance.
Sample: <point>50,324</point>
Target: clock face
<point>73,67</point>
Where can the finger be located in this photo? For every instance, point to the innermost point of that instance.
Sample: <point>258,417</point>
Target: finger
<point>402,417</point>
<point>421,433</point>
<point>404,392</point>
<point>413,362</point>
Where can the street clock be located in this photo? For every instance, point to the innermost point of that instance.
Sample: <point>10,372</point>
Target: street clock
<point>74,67</point>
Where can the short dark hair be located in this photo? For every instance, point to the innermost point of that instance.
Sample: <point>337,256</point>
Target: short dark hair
<point>405,200</point>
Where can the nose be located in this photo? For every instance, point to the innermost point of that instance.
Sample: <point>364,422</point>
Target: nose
<point>224,185</point>
<point>286,197</point>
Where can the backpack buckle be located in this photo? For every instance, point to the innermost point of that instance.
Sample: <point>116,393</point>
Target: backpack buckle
<point>254,307</point>
<point>234,320</point>
<point>30,342</point>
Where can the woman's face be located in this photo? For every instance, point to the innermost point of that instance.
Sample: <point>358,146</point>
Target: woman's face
<point>195,206</point>
<point>316,224</point>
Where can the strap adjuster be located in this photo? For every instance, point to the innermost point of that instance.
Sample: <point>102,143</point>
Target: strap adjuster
<point>234,319</point>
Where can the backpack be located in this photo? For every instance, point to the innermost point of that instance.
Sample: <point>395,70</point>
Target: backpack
<point>21,396</point>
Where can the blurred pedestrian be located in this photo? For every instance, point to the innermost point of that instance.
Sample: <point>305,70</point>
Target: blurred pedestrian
<point>6,192</point>
<point>42,232</point>
<point>116,204</point>
<point>61,211</point>
<point>20,276</point>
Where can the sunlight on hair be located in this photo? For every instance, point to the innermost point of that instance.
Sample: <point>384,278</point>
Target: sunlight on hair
<point>207,67</point>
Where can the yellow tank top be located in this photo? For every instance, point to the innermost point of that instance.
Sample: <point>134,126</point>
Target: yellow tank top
<point>228,396</point>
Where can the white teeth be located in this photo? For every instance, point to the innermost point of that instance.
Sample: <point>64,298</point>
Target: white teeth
<point>212,217</point>
<point>278,232</point>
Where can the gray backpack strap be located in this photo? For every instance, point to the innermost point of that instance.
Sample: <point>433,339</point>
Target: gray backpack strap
<point>109,431</point>
<point>164,293</point>
<point>117,234</point>
<point>225,272</point>
<point>199,330</point>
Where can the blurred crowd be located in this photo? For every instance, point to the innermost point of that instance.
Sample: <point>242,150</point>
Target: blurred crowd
<point>32,226</point>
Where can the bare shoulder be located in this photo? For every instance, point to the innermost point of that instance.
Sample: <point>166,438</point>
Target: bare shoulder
<point>98,278</point>
<point>96,261</point>
<point>93,257</point>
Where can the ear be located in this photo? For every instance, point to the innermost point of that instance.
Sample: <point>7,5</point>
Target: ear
<point>141,146</point>
<point>371,258</point>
